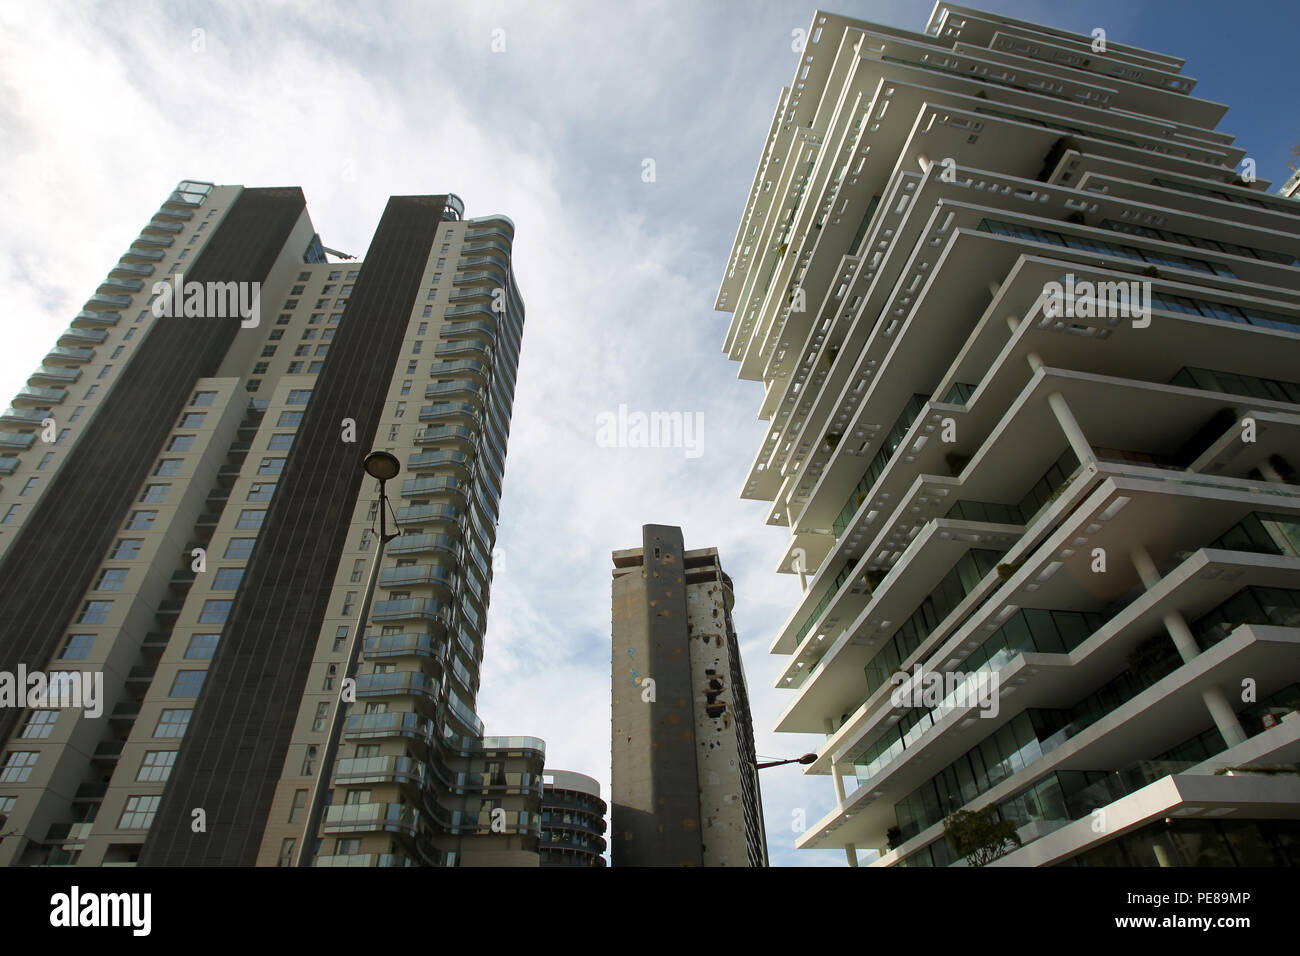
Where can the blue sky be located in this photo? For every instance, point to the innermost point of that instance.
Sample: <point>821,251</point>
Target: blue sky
<point>104,107</point>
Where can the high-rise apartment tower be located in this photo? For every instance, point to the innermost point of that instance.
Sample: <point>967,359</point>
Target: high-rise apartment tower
<point>1029,346</point>
<point>184,512</point>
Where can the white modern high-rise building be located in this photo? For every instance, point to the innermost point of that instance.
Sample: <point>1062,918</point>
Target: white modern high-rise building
<point>1031,358</point>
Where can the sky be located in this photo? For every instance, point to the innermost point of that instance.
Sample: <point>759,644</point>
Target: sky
<point>548,113</point>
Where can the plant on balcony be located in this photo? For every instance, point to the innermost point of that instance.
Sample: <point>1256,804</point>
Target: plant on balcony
<point>893,837</point>
<point>1149,655</point>
<point>1011,567</point>
<point>979,836</point>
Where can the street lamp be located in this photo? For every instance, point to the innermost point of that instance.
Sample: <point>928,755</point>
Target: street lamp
<point>383,467</point>
<point>805,759</point>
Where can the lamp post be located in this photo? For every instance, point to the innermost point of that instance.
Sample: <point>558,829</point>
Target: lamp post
<point>805,759</point>
<point>383,467</point>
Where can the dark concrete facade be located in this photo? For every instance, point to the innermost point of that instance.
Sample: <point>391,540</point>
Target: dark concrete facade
<point>56,553</point>
<point>232,754</point>
<point>655,784</point>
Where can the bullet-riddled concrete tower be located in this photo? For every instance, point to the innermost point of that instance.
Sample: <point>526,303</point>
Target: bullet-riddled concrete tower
<point>685,787</point>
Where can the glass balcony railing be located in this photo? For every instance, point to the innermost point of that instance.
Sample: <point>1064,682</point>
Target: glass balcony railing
<point>463,389</point>
<point>362,859</point>
<point>463,347</point>
<point>156,225</point>
<point>361,726</point>
<point>432,485</point>
<point>418,543</point>
<point>417,514</point>
<point>434,459</point>
<point>464,278</point>
<point>398,683</point>
<point>8,465</point>
<point>515,743</point>
<point>63,353</point>
<point>379,769</point>
<point>414,644</point>
<point>126,269</point>
<point>26,416</point>
<point>371,816</point>
<point>151,255</point>
<point>96,320</point>
<point>151,239</point>
<point>16,440</point>
<point>31,393</point>
<point>435,433</point>
<point>485,329</point>
<point>102,301</point>
<point>466,714</point>
<point>406,609</point>
<point>460,365</point>
<point>417,574</point>
<point>47,373</point>
<point>481,262</point>
<point>95,336</point>
<point>123,285</point>
<point>440,410</point>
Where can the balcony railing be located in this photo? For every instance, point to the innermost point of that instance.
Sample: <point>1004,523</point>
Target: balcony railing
<point>413,644</point>
<point>31,393</point>
<point>26,416</point>
<point>416,574</point>
<point>16,439</point>
<point>418,543</point>
<point>407,609</point>
<point>371,816</point>
<point>95,336</point>
<point>62,353</point>
<point>47,373</point>
<point>417,514</point>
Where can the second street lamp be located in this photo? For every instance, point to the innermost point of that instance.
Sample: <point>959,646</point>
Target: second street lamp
<point>383,467</point>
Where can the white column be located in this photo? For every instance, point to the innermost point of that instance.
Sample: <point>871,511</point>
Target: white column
<point>1225,718</point>
<point>1078,441</point>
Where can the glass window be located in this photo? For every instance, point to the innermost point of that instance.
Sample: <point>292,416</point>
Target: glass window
<point>227,579</point>
<point>94,612</point>
<point>126,549</point>
<point>239,548</point>
<point>187,684</point>
<point>299,396</point>
<point>167,467</point>
<point>78,647</point>
<point>289,420</point>
<point>154,493</point>
<point>111,579</point>
<point>156,766</point>
<point>139,812</point>
<point>271,466</point>
<point>203,398</point>
<point>141,520</point>
<point>192,420</point>
<point>214,612</point>
<point>40,724</point>
<point>261,491</point>
<point>18,765</point>
<point>249,519</point>
<point>181,443</point>
<point>173,723</point>
<point>202,647</point>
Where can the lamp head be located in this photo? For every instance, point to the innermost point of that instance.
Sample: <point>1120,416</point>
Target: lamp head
<point>382,465</point>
